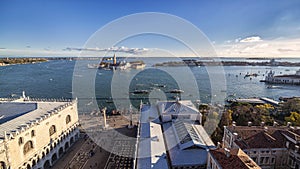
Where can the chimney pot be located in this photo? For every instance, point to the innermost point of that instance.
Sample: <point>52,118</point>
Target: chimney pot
<point>219,145</point>
<point>296,148</point>
<point>249,123</point>
<point>227,152</point>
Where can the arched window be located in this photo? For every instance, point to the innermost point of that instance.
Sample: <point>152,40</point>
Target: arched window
<point>2,165</point>
<point>21,140</point>
<point>52,130</point>
<point>68,119</point>
<point>32,133</point>
<point>27,147</point>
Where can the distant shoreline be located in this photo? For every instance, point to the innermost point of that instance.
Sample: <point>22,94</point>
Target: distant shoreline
<point>192,62</point>
<point>17,61</point>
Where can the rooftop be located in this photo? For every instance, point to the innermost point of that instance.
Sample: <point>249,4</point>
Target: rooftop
<point>258,136</point>
<point>177,107</point>
<point>288,76</point>
<point>26,113</point>
<point>151,151</point>
<point>237,159</point>
<point>262,100</point>
<point>11,110</point>
<point>187,143</point>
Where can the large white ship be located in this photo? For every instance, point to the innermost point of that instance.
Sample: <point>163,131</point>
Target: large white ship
<point>283,79</point>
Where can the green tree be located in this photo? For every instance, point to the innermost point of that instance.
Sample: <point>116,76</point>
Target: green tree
<point>294,118</point>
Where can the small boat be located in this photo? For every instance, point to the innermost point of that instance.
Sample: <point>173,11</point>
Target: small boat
<point>274,87</point>
<point>109,101</point>
<point>159,85</point>
<point>252,74</point>
<point>93,66</point>
<point>176,91</point>
<point>140,92</point>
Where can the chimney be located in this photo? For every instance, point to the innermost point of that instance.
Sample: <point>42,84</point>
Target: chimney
<point>288,124</point>
<point>219,145</point>
<point>249,123</point>
<point>233,125</point>
<point>235,136</point>
<point>275,124</point>
<point>5,135</point>
<point>296,148</point>
<point>227,152</point>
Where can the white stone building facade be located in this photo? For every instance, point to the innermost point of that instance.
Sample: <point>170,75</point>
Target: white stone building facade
<point>38,138</point>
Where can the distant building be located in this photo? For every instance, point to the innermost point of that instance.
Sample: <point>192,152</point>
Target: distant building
<point>283,79</point>
<point>36,133</point>
<point>171,136</point>
<point>269,146</point>
<point>256,101</point>
<point>223,158</point>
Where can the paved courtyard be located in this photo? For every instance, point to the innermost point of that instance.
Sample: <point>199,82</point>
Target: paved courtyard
<point>112,147</point>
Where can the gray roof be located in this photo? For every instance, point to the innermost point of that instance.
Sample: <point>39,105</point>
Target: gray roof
<point>178,107</point>
<point>11,110</point>
<point>23,121</point>
<point>151,150</point>
<point>192,150</point>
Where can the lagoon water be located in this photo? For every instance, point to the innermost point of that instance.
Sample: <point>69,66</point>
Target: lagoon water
<point>54,79</point>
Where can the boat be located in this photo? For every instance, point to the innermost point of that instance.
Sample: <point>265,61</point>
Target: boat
<point>252,74</point>
<point>176,91</point>
<point>137,64</point>
<point>109,101</point>
<point>140,92</point>
<point>274,87</point>
<point>93,66</point>
<point>158,85</point>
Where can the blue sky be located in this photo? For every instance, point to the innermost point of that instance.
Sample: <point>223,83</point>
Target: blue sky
<point>33,27</point>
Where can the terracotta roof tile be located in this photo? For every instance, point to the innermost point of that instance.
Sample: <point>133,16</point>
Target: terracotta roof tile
<point>238,159</point>
<point>259,137</point>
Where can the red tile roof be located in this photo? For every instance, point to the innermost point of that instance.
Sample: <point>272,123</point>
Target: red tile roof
<point>259,137</point>
<point>238,159</point>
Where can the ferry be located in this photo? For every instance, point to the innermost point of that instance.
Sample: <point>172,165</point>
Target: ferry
<point>176,91</point>
<point>140,92</point>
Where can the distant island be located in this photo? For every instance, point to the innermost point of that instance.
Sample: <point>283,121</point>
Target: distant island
<point>194,62</point>
<point>13,61</point>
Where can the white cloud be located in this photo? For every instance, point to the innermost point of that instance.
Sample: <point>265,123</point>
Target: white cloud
<point>249,39</point>
<point>256,47</point>
<point>112,49</point>
<point>71,51</point>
